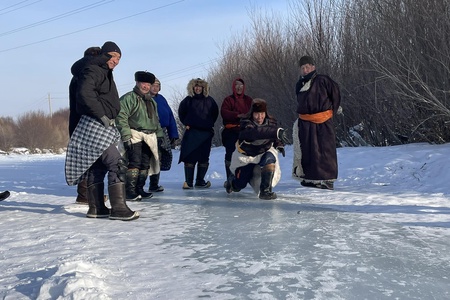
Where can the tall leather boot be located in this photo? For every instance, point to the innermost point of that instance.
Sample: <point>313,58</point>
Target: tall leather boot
<point>188,176</point>
<point>119,208</point>
<point>97,208</point>
<point>227,171</point>
<point>200,180</point>
<point>265,189</point>
<point>142,177</point>
<point>130,185</point>
<point>82,193</point>
<point>154,184</point>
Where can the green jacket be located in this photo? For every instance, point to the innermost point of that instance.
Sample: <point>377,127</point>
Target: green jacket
<point>133,115</point>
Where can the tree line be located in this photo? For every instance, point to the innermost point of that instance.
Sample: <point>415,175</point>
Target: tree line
<point>391,59</point>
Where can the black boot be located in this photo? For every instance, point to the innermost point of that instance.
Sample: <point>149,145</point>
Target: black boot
<point>82,193</point>
<point>132,178</point>
<point>119,208</point>
<point>189,176</point>
<point>227,171</point>
<point>265,189</point>
<point>229,187</point>
<point>142,177</point>
<point>200,180</point>
<point>154,184</point>
<point>97,208</point>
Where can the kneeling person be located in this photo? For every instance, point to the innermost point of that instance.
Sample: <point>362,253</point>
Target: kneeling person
<point>255,159</point>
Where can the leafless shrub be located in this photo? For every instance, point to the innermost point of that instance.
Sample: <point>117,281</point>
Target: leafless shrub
<point>8,129</point>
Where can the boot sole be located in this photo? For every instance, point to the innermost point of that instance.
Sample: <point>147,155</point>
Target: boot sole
<point>137,198</point>
<point>133,217</point>
<point>97,216</point>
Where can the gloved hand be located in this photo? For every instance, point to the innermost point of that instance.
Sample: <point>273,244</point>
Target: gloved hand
<point>107,121</point>
<point>172,143</point>
<point>128,145</point>
<point>160,142</point>
<point>281,150</point>
<point>282,135</point>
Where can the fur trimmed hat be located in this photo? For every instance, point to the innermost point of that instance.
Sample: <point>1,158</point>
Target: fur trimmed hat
<point>200,82</point>
<point>259,105</point>
<point>143,76</point>
<point>306,60</point>
<point>111,47</point>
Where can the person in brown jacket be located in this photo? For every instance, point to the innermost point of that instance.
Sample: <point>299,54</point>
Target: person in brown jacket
<point>318,100</point>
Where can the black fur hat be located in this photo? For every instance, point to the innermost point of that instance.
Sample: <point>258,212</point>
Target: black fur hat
<point>259,105</point>
<point>143,76</point>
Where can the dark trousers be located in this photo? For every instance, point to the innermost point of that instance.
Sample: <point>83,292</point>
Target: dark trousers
<point>244,174</point>
<point>108,162</point>
<point>139,157</point>
<point>229,138</point>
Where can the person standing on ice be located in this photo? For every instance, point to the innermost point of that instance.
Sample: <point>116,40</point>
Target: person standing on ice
<point>198,112</point>
<point>232,106</point>
<point>255,160</point>
<point>170,129</point>
<point>139,127</point>
<point>91,56</point>
<point>318,100</point>
<point>92,149</point>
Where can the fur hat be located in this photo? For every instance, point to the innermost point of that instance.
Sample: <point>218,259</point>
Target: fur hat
<point>143,76</point>
<point>259,105</point>
<point>306,60</point>
<point>111,47</point>
<point>200,82</point>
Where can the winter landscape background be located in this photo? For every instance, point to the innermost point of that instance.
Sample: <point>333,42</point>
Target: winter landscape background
<point>383,233</point>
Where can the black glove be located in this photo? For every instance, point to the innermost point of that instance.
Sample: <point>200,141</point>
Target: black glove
<point>128,145</point>
<point>172,143</point>
<point>282,135</point>
<point>281,150</point>
<point>107,121</point>
<point>160,142</point>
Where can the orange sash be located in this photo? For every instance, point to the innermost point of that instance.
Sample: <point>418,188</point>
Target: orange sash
<point>229,126</point>
<point>317,118</point>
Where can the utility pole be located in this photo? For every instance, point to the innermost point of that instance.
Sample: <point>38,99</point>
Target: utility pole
<point>50,105</point>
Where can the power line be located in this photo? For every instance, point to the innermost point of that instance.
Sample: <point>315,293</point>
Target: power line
<point>66,14</point>
<point>18,7</point>
<point>85,29</point>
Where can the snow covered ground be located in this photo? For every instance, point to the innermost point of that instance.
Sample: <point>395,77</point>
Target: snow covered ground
<point>383,233</point>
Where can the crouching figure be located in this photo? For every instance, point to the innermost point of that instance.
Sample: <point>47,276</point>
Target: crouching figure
<point>255,160</point>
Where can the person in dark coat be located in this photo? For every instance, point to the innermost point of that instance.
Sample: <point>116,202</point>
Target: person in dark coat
<point>169,126</point>
<point>318,100</point>
<point>91,56</point>
<point>198,112</point>
<point>232,106</point>
<point>255,160</point>
<point>97,102</point>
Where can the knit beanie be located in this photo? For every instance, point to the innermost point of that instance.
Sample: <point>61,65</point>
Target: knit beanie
<point>306,60</point>
<point>111,47</point>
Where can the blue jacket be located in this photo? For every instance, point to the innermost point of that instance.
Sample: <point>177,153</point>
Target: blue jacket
<point>166,118</point>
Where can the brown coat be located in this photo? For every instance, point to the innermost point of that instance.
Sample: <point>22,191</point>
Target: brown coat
<point>318,141</point>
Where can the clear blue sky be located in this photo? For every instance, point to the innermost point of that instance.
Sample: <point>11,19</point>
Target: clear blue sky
<point>176,40</point>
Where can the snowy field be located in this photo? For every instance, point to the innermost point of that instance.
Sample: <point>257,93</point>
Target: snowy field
<point>383,233</point>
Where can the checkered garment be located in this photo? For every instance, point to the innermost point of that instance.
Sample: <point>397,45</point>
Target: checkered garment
<point>86,145</point>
